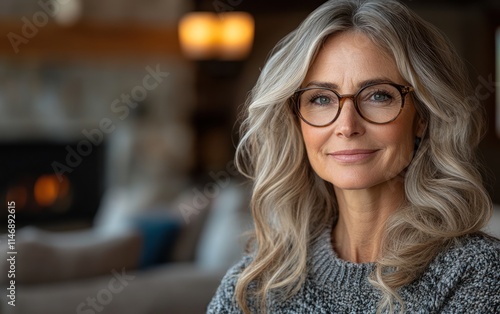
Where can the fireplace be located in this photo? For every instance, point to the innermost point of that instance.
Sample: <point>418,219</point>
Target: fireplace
<point>47,190</point>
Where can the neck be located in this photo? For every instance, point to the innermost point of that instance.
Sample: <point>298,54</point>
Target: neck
<point>357,236</point>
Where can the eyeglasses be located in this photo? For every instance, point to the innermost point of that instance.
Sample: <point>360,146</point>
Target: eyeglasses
<point>377,103</point>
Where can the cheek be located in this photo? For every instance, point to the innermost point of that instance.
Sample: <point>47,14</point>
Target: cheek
<point>402,136</point>
<point>314,138</point>
<point>401,142</point>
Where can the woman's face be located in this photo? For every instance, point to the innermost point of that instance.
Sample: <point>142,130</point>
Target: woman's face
<point>352,153</point>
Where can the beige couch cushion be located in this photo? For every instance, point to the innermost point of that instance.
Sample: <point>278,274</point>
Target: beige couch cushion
<point>44,257</point>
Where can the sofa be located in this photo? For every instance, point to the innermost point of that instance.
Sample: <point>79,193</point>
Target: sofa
<point>158,261</point>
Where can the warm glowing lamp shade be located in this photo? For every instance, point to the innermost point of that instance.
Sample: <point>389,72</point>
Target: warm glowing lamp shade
<point>198,33</point>
<point>236,35</point>
<point>226,36</point>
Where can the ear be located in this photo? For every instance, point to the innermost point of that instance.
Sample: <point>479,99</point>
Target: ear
<point>420,126</point>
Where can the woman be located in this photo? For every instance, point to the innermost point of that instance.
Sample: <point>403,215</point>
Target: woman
<point>360,140</point>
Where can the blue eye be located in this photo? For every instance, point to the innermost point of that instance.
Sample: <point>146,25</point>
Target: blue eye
<point>381,97</point>
<point>321,100</point>
<point>316,98</point>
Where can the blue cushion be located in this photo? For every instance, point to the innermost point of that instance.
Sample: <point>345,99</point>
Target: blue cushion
<point>159,234</point>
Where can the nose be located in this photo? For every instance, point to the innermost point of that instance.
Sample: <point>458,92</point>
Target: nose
<point>349,123</point>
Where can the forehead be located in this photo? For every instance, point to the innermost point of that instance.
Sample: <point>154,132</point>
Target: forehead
<point>348,58</point>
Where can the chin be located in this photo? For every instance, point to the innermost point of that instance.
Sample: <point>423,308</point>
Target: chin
<point>352,183</point>
<point>357,181</point>
<point>352,187</point>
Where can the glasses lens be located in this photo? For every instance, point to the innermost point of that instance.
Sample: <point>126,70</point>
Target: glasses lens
<point>318,106</point>
<point>379,103</point>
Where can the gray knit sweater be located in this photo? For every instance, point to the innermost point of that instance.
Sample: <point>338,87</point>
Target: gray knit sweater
<point>462,279</point>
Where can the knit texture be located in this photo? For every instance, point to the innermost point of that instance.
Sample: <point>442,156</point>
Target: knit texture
<point>463,279</point>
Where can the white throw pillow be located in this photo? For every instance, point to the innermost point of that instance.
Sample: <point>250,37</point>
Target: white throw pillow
<point>222,240</point>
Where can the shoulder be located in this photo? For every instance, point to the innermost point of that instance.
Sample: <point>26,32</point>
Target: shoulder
<point>466,275</point>
<point>475,250</point>
<point>469,255</point>
<point>232,275</point>
<point>223,300</point>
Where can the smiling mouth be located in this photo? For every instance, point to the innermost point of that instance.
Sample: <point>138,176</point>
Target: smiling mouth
<point>355,155</point>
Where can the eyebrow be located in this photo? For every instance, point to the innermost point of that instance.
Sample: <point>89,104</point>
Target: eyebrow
<point>359,85</point>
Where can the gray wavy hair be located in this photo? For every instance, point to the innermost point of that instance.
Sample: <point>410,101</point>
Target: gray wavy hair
<point>290,203</point>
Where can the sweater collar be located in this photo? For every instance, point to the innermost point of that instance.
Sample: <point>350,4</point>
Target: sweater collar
<point>327,268</point>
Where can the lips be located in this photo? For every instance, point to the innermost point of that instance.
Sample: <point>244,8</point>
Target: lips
<point>353,155</point>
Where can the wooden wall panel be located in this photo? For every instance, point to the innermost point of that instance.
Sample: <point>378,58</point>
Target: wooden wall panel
<point>87,40</point>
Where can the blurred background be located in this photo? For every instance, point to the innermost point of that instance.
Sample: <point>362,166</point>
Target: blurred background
<point>118,122</point>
